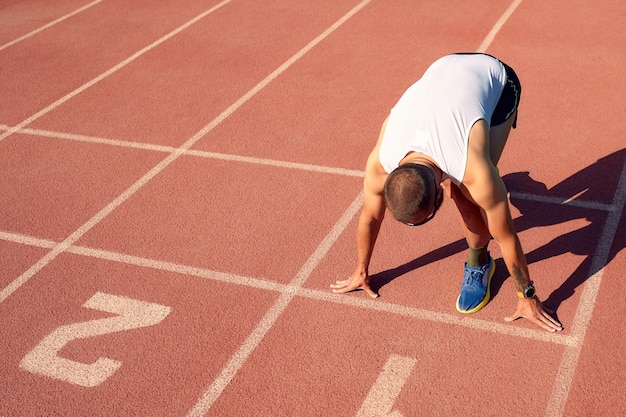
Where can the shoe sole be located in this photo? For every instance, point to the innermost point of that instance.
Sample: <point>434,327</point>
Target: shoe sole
<point>487,295</point>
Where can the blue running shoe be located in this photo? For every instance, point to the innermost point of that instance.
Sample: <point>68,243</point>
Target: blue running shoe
<point>475,287</point>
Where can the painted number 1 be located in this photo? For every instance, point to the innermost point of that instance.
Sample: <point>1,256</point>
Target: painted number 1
<point>131,314</point>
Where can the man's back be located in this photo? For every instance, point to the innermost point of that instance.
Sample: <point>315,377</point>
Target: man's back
<point>435,115</point>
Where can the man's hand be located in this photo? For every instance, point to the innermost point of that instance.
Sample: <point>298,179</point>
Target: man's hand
<point>533,310</point>
<point>357,280</point>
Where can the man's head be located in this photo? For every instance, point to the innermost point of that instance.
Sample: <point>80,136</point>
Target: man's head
<point>412,194</point>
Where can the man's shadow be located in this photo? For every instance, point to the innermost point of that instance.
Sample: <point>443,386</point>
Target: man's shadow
<point>594,185</point>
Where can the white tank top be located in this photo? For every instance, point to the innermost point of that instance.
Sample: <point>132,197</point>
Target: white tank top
<point>435,115</point>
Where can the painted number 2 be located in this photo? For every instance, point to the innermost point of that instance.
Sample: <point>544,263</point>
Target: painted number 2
<point>131,314</point>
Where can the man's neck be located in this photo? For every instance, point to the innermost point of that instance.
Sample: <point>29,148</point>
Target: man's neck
<point>422,159</point>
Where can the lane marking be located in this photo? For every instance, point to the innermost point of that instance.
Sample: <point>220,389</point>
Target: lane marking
<point>49,25</point>
<point>280,164</point>
<point>582,318</point>
<point>205,273</point>
<point>111,71</point>
<point>129,314</point>
<point>212,393</point>
<point>314,294</point>
<point>188,152</point>
<point>591,293</point>
<point>78,233</point>
<point>496,28</point>
<point>382,396</point>
<point>89,139</point>
<point>586,305</point>
<point>440,317</point>
<point>272,315</point>
<point>27,240</point>
<point>564,201</point>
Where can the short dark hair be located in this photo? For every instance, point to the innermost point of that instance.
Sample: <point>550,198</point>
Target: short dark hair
<point>408,190</point>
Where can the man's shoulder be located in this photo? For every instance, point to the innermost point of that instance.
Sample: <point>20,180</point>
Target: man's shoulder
<point>375,174</point>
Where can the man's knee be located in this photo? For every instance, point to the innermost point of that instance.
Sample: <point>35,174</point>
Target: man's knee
<point>471,214</point>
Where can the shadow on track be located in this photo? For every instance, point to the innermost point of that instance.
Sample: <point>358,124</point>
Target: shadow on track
<point>596,183</point>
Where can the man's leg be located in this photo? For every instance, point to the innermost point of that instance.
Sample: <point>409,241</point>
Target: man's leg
<point>474,226</point>
<point>479,266</point>
<point>498,136</point>
<point>472,218</point>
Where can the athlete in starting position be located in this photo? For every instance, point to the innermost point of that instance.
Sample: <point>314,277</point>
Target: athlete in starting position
<point>447,132</point>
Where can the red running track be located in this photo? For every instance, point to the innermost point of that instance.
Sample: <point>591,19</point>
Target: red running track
<point>181,183</point>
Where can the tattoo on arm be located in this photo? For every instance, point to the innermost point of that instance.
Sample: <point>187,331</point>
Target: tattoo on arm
<point>521,280</point>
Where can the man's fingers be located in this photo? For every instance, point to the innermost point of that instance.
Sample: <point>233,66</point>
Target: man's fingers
<point>513,318</point>
<point>546,324</point>
<point>340,284</point>
<point>551,321</point>
<point>344,286</point>
<point>370,291</point>
<point>544,321</point>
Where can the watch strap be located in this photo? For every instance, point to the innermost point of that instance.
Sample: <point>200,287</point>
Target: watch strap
<point>522,294</point>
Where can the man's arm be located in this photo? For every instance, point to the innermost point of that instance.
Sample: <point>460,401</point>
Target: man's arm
<point>370,219</point>
<point>483,186</point>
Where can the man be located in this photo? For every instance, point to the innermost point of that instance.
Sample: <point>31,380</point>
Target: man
<point>448,131</point>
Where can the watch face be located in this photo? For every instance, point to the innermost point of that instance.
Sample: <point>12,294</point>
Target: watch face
<point>529,292</point>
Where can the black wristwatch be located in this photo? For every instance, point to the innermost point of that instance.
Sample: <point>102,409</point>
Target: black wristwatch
<point>528,292</point>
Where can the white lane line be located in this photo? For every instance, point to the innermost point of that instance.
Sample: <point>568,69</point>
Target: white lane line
<point>281,69</point>
<point>416,312</point>
<point>592,291</point>
<point>190,152</point>
<point>204,273</point>
<point>383,394</point>
<point>564,201</point>
<point>281,164</point>
<point>496,28</point>
<point>237,361</point>
<point>313,294</point>
<point>27,240</point>
<point>439,317</point>
<point>111,71</point>
<point>78,233</point>
<point>49,25</point>
<point>90,139</point>
<point>212,393</point>
<point>584,311</point>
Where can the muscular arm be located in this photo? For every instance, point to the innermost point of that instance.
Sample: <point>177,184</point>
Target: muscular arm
<point>372,213</point>
<point>370,220</point>
<point>483,186</point>
<point>492,198</point>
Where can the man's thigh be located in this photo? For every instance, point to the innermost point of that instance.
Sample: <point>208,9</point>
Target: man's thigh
<point>498,136</point>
